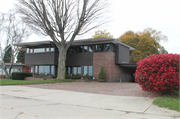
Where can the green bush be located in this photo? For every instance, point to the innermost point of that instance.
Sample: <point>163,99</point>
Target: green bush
<point>54,76</point>
<point>88,77</point>
<point>77,76</point>
<point>20,75</point>
<point>36,75</point>
<point>67,76</point>
<point>41,75</point>
<point>45,78</point>
<point>102,74</point>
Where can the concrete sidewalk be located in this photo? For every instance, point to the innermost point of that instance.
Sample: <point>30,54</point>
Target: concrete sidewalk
<point>25,100</point>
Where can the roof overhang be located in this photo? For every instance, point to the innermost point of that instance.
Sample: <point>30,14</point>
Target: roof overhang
<point>15,64</point>
<point>128,65</point>
<point>76,42</point>
<point>29,44</point>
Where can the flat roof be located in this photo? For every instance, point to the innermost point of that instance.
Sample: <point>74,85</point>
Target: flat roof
<point>77,42</point>
<point>128,65</point>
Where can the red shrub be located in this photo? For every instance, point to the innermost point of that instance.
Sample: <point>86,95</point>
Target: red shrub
<point>158,73</point>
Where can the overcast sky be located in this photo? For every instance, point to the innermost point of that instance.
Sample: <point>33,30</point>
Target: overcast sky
<point>135,15</point>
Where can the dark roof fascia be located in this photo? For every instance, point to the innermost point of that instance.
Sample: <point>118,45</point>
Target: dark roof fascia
<point>118,42</point>
<point>77,42</point>
<point>99,41</point>
<point>132,65</point>
<point>28,44</point>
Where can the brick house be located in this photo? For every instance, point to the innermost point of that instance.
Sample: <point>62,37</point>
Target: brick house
<point>17,67</point>
<point>83,57</point>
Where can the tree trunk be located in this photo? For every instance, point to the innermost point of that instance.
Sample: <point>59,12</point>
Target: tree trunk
<point>61,63</point>
<point>8,76</point>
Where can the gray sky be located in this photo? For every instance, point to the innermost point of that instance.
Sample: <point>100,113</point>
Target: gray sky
<point>135,15</point>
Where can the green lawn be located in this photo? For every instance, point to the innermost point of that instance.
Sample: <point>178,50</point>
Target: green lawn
<point>169,102</point>
<point>24,82</point>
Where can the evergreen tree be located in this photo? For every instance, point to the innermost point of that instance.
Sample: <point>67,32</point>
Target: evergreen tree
<point>7,55</point>
<point>21,56</point>
<point>102,74</point>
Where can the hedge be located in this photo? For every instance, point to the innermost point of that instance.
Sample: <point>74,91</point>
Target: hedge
<point>20,75</point>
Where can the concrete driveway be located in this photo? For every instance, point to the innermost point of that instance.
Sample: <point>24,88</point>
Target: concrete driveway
<point>20,102</point>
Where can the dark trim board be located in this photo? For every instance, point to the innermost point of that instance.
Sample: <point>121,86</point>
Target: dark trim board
<point>128,65</point>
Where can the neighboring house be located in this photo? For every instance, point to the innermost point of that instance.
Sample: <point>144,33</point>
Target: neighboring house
<point>83,57</point>
<point>17,67</point>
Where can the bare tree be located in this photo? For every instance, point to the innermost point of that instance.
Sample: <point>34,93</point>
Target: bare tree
<point>62,20</point>
<point>12,31</point>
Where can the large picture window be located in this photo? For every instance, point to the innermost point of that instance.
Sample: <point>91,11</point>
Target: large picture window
<point>44,70</point>
<point>79,70</point>
<point>69,70</point>
<point>36,69</point>
<point>75,70</point>
<point>85,70</point>
<point>90,70</point>
<point>52,70</point>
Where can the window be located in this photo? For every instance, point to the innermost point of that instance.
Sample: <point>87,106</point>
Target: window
<point>96,48</point>
<point>52,70</point>
<point>75,70</point>
<point>101,47</point>
<point>79,70</point>
<point>69,70</point>
<point>27,50</point>
<point>85,48</point>
<point>91,48</point>
<point>85,70</point>
<point>80,49</point>
<point>15,70</point>
<point>90,70</point>
<point>71,51</point>
<point>52,49</point>
<point>31,69</point>
<point>44,70</point>
<point>108,47</point>
<point>31,50</point>
<point>37,50</point>
<point>36,69</point>
<point>47,49</point>
<point>75,49</point>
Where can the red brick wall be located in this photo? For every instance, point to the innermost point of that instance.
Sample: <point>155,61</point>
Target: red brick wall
<point>107,60</point>
<point>25,69</point>
<point>2,76</point>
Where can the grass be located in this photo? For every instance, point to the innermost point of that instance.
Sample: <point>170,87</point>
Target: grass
<point>24,82</point>
<point>169,102</point>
